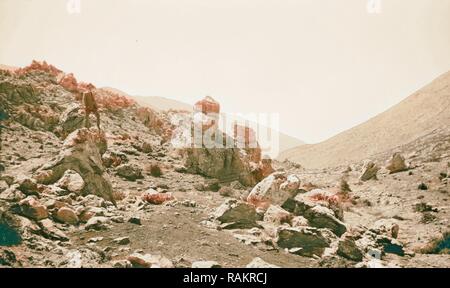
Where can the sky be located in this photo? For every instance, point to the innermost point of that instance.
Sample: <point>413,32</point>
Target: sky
<point>323,65</point>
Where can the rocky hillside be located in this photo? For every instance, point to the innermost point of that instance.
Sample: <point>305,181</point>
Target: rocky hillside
<point>141,193</point>
<point>415,117</point>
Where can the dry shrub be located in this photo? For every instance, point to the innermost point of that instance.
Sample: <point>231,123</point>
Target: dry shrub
<point>155,170</point>
<point>439,245</point>
<point>118,195</point>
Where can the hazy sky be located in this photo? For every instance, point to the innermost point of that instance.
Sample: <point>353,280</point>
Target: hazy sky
<point>324,65</point>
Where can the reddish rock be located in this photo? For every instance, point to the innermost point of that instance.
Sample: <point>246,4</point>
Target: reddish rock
<point>69,82</point>
<point>67,215</point>
<point>153,197</point>
<point>30,207</point>
<point>207,105</point>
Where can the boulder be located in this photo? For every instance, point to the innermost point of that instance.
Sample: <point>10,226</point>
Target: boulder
<point>149,261</point>
<point>122,241</point>
<point>322,217</point>
<point>275,189</point>
<point>154,197</point>
<point>12,194</point>
<point>130,172</point>
<point>81,153</point>
<point>396,164</point>
<point>236,215</point>
<point>347,248</point>
<point>50,231</point>
<point>277,215</point>
<point>114,158</point>
<point>260,263</point>
<point>71,181</point>
<point>301,203</point>
<point>205,264</point>
<point>27,185</point>
<point>31,208</point>
<point>97,223</point>
<point>67,215</point>
<point>305,241</point>
<point>369,171</point>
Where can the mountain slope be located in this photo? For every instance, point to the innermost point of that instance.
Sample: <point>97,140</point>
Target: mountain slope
<point>414,117</point>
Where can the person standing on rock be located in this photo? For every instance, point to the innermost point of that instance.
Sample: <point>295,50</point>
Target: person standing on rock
<point>90,106</point>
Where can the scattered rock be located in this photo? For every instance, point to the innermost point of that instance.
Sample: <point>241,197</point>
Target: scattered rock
<point>71,181</point>
<point>237,214</point>
<point>97,223</point>
<point>305,241</point>
<point>30,207</point>
<point>277,215</point>
<point>153,197</point>
<point>347,248</point>
<point>205,264</point>
<point>130,172</point>
<point>149,261</point>
<point>135,220</point>
<point>259,263</point>
<point>122,241</point>
<point>67,215</point>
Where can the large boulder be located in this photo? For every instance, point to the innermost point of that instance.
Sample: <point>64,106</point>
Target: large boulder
<point>305,241</point>
<point>396,164</point>
<point>369,171</point>
<point>322,217</point>
<point>81,153</point>
<point>236,214</point>
<point>321,208</point>
<point>276,189</point>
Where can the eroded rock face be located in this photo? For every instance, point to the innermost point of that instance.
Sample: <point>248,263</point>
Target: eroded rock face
<point>236,214</point>
<point>81,153</point>
<point>305,241</point>
<point>396,164</point>
<point>71,119</point>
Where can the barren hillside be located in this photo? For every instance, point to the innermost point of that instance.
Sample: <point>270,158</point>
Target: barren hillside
<point>414,117</point>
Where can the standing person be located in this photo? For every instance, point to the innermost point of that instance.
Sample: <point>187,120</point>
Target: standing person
<point>90,106</point>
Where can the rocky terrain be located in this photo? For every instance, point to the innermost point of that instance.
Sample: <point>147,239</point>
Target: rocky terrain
<point>139,193</point>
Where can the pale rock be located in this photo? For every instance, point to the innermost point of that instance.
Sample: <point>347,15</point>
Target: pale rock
<point>71,181</point>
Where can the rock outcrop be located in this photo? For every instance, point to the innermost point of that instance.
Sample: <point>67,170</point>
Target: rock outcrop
<point>81,153</point>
